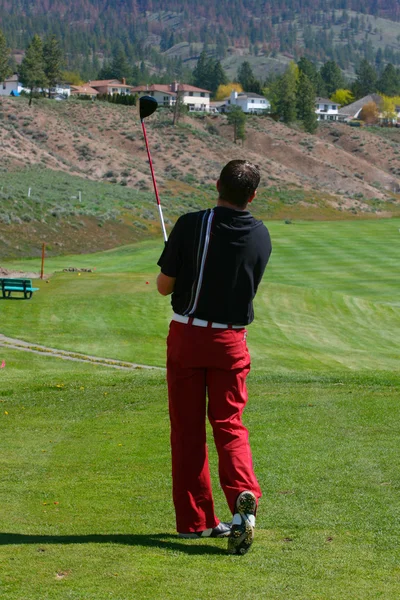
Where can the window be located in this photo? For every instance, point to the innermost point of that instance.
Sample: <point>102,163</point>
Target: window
<point>326,108</point>
<point>252,101</point>
<point>202,94</point>
<point>334,106</point>
<point>190,93</point>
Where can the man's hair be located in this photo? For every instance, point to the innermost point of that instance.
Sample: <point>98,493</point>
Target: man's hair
<point>238,181</point>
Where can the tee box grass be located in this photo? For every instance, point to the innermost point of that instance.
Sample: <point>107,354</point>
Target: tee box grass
<point>85,492</point>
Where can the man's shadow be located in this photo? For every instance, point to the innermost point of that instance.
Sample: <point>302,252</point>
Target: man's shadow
<point>164,541</point>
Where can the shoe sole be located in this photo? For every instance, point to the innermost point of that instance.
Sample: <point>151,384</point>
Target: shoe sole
<point>198,536</point>
<point>242,535</point>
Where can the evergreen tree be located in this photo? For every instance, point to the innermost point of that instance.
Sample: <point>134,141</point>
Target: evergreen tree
<point>306,103</point>
<point>332,77</point>
<point>389,81</point>
<point>201,72</point>
<point>164,40</point>
<point>237,118</point>
<point>286,94</point>
<point>247,79</point>
<point>309,69</point>
<point>105,71</point>
<point>366,80</point>
<point>32,74</point>
<point>119,67</point>
<point>5,70</point>
<point>218,77</point>
<point>53,61</point>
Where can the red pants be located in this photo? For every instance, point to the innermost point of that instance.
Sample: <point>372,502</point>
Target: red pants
<point>217,361</point>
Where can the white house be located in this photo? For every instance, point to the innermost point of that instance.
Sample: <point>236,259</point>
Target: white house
<point>326,109</point>
<point>196,99</point>
<point>11,84</point>
<point>248,101</point>
<point>61,89</point>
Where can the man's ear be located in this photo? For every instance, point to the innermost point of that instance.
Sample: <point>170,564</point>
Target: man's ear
<point>250,200</point>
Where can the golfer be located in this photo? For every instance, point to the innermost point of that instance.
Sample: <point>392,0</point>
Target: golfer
<point>212,265</point>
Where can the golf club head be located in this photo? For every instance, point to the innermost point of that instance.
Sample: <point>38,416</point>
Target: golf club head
<point>147,105</point>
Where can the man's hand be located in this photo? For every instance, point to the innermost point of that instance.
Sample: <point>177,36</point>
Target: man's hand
<point>165,284</point>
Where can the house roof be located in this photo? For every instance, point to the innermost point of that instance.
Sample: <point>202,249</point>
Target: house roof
<point>159,87</point>
<point>250,95</point>
<point>170,88</point>
<point>324,101</point>
<point>83,89</point>
<point>354,108</point>
<point>107,82</point>
<point>13,78</point>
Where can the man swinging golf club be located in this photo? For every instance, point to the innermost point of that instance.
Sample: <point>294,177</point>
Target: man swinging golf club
<point>212,265</point>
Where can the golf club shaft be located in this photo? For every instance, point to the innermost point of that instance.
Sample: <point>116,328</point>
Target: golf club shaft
<point>154,182</point>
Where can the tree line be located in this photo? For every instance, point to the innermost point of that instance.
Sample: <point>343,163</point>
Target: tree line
<point>90,27</point>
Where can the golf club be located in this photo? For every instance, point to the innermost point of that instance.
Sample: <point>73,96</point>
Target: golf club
<point>148,105</point>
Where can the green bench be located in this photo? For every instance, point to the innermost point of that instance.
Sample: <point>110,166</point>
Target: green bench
<point>24,286</point>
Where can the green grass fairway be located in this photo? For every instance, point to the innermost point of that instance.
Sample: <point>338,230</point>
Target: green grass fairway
<point>329,300</point>
<point>85,490</point>
<point>85,508</point>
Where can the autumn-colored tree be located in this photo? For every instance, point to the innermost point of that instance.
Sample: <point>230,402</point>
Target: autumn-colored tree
<point>342,97</point>
<point>388,109</point>
<point>224,91</point>
<point>72,78</point>
<point>369,113</point>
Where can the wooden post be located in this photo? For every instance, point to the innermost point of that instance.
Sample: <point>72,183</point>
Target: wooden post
<point>42,269</point>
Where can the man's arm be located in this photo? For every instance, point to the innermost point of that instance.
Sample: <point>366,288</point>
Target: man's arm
<point>165,284</point>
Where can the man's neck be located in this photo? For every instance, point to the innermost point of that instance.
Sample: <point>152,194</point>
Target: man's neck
<point>226,204</point>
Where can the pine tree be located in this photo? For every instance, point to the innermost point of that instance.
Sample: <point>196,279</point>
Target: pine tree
<point>237,118</point>
<point>53,61</point>
<point>286,94</point>
<point>247,79</point>
<point>200,72</point>
<point>332,77</point>
<point>5,70</point>
<point>32,73</point>
<point>389,81</point>
<point>119,67</point>
<point>218,77</point>
<point>366,80</point>
<point>306,103</point>
<point>309,69</point>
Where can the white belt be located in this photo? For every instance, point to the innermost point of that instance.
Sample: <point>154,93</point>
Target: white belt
<point>202,323</point>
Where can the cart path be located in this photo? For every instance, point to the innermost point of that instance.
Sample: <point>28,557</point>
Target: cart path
<point>15,344</point>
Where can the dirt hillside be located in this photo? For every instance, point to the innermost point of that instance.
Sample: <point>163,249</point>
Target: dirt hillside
<point>354,171</point>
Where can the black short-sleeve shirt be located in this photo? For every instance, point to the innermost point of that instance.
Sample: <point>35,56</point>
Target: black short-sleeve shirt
<point>218,257</point>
